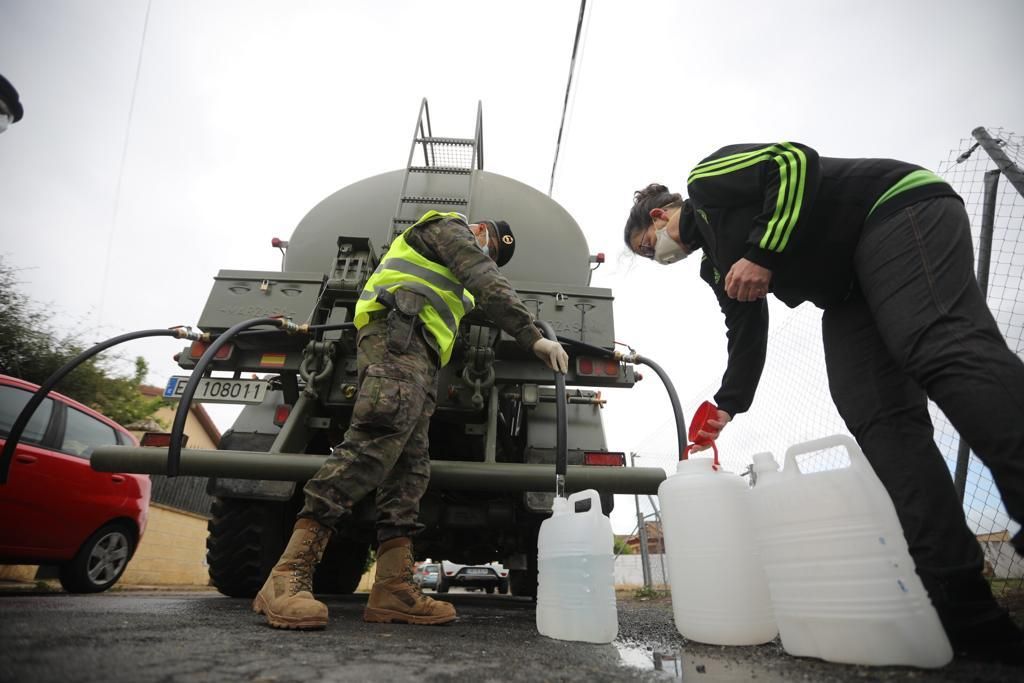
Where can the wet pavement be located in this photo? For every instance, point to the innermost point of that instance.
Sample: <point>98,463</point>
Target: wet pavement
<point>169,637</point>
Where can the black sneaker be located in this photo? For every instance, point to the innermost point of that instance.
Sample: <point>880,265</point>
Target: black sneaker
<point>997,641</point>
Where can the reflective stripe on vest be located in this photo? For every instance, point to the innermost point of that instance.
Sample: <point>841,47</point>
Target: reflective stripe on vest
<point>405,268</point>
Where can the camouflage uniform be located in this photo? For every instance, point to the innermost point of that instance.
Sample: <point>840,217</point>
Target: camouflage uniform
<point>385,447</point>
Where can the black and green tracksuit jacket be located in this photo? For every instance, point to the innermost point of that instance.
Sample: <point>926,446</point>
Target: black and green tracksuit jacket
<point>796,213</point>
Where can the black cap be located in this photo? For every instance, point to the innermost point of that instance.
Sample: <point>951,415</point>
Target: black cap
<point>10,97</point>
<point>506,242</point>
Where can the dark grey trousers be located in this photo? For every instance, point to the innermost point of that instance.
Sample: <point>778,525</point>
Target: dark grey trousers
<point>916,327</point>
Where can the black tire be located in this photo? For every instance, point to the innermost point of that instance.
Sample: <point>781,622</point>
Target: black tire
<point>442,584</point>
<point>503,586</point>
<point>101,560</point>
<point>341,568</point>
<point>490,590</point>
<point>246,538</point>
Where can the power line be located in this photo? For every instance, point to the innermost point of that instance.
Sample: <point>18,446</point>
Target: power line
<point>120,173</point>
<point>568,88</point>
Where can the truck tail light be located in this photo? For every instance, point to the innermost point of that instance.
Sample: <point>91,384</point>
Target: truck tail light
<point>604,458</point>
<point>281,414</point>
<point>198,348</point>
<point>606,367</point>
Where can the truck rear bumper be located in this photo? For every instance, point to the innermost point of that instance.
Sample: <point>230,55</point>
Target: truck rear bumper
<point>445,474</point>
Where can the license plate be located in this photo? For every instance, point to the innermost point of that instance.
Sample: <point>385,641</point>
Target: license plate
<point>474,570</point>
<point>215,390</point>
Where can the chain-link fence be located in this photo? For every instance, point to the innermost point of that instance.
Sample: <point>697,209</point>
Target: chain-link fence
<point>995,202</point>
<point>793,404</point>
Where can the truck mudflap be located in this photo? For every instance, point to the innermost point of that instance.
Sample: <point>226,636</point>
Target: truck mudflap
<point>445,474</point>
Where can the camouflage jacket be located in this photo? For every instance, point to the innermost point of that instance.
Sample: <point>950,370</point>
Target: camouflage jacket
<point>449,242</point>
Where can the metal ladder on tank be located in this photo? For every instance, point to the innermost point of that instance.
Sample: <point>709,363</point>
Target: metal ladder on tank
<point>458,157</point>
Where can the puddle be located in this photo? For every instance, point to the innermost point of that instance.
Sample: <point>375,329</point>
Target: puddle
<point>682,666</point>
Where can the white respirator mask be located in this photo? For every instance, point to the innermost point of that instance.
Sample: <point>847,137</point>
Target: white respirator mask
<point>666,249</point>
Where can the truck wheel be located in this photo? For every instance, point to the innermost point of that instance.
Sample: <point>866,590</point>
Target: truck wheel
<point>245,539</point>
<point>341,568</point>
<point>503,586</point>
<point>100,561</point>
<point>490,590</point>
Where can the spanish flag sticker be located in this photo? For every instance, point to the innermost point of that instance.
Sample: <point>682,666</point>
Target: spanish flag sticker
<point>272,360</point>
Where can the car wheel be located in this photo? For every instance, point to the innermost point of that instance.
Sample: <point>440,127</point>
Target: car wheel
<point>503,586</point>
<point>442,585</point>
<point>100,561</point>
<point>490,590</point>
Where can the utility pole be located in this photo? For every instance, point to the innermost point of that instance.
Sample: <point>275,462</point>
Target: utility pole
<point>645,560</point>
<point>661,539</point>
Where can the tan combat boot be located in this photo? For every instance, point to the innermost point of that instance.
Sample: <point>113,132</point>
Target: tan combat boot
<point>395,597</point>
<point>286,599</point>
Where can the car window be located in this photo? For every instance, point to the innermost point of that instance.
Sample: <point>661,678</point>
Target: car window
<point>12,400</point>
<point>83,433</point>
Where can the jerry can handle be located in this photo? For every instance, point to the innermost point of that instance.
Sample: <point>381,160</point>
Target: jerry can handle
<point>857,458</point>
<point>589,495</point>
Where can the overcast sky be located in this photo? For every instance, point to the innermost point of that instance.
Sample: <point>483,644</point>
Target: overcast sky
<point>154,153</point>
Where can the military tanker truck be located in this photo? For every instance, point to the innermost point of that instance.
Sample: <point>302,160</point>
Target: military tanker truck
<point>493,434</point>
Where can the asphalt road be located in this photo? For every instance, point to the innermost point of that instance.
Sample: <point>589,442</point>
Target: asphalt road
<point>172,637</point>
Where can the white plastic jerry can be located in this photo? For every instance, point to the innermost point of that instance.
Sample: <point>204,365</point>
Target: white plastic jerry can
<point>842,582</point>
<point>719,589</point>
<point>575,581</point>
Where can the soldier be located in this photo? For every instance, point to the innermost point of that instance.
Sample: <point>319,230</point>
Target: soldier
<point>10,106</point>
<point>408,316</point>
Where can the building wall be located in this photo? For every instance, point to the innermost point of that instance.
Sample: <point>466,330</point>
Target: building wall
<point>172,552</point>
<point>629,571</point>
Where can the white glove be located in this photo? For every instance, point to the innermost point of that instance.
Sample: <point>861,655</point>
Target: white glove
<point>553,355</point>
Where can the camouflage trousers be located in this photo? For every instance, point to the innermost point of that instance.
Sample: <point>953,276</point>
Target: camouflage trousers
<point>385,448</point>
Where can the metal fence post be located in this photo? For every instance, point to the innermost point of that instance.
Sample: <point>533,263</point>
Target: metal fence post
<point>645,560</point>
<point>988,215</point>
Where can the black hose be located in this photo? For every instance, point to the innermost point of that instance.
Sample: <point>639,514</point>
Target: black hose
<point>30,408</point>
<point>308,328</point>
<point>677,409</point>
<point>561,419</point>
<point>589,348</point>
<point>178,428</point>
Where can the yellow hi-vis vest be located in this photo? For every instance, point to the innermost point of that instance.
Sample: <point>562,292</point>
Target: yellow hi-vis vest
<point>405,268</point>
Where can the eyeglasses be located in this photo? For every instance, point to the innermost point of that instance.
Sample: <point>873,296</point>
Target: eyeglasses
<point>646,246</point>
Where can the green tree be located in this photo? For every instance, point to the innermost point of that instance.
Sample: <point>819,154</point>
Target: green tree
<point>621,547</point>
<point>32,350</point>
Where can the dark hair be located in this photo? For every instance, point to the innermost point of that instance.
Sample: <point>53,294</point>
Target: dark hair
<point>654,196</point>
<point>10,97</point>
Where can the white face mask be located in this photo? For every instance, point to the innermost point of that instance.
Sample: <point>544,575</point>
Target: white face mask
<point>666,249</point>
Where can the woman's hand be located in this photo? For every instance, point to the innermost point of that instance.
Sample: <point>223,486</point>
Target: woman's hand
<point>712,429</point>
<point>747,281</point>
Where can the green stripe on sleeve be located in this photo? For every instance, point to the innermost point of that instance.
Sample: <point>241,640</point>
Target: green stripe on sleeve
<point>792,164</point>
<point>800,160</point>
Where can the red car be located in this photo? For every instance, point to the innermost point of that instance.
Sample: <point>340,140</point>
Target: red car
<point>54,508</point>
